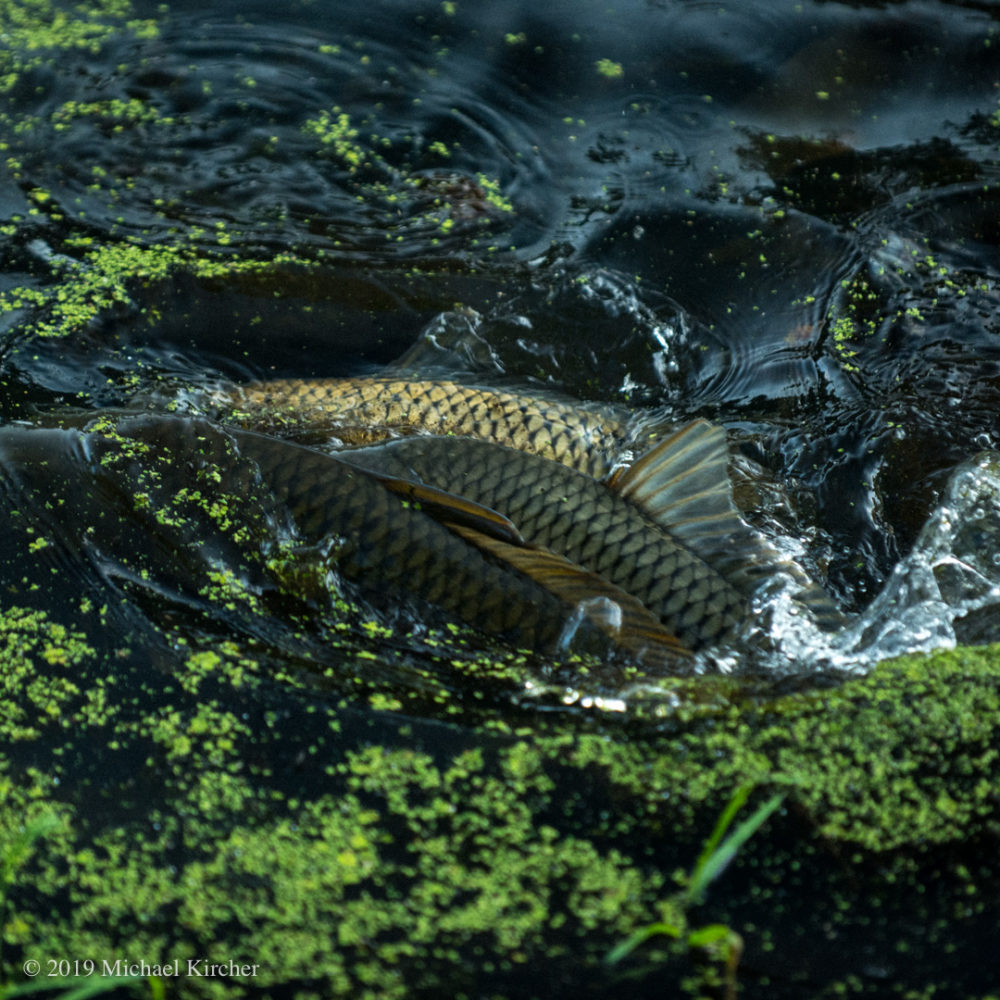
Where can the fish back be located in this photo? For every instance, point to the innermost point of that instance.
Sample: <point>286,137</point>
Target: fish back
<point>363,410</point>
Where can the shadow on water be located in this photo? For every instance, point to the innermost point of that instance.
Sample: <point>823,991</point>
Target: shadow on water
<point>781,218</point>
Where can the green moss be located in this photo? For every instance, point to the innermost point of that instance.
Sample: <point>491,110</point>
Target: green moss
<point>209,663</point>
<point>214,805</point>
<point>853,317</point>
<point>859,311</point>
<point>34,30</point>
<point>384,876</point>
<point>116,113</point>
<point>395,190</point>
<point>904,756</point>
<point>89,280</point>
<point>335,131</point>
<point>493,195</point>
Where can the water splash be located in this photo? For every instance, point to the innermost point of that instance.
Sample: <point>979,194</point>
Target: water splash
<point>945,592</point>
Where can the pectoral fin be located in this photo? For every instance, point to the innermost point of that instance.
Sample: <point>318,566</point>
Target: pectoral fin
<point>452,509</point>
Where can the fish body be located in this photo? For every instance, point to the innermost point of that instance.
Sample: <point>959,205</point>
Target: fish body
<point>158,486</point>
<point>585,521</point>
<point>654,562</point>
<point>589,439</point>
<point>393,535</point>
<point>665,530</point>
<point>389,546</point>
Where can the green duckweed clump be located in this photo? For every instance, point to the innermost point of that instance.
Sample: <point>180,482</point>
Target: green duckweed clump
<point>32,32</point>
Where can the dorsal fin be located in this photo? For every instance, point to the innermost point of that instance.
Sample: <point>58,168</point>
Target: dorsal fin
<point>683,485</point>
<point>450,508</point>
<point>638,631</point>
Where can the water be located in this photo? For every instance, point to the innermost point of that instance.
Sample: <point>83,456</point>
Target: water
<point>778,216</point>
<point>740,214</point>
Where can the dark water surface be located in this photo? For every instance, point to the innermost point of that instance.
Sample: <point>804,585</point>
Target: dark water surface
<point>782,217</point>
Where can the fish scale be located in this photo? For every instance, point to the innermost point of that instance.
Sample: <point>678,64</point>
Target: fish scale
<point>387,544</point>
<point>570,513</point>
<point>362,410</point>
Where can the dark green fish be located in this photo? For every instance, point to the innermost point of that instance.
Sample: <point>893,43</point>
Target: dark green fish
<point>664,530</point>
<point>394,534</point>
<point>394,539</point>
<point>588,438</point>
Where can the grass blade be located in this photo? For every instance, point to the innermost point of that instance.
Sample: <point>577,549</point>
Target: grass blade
<point>637,938</point>
<point>717,855</point>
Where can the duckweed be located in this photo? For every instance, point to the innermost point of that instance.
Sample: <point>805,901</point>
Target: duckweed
<point>107,276</point>
<point>32,30</point>
<point>383,863</point>
<point>610,69</point>
<point>397,841</point>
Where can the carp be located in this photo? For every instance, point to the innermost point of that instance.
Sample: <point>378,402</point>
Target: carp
<point>587,437</point>
<point>664,530</point>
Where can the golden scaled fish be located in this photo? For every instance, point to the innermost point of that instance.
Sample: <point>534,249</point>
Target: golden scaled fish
<point>362,410</point>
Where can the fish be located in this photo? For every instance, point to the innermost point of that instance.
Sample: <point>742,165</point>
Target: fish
<point>678,494</point>
<point>395,540</point>
<point>590,438</point>
<point>397,534</point>
<point>664,530</point>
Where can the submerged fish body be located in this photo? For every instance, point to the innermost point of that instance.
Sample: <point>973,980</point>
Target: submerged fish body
<point>393,539</point>
<point>389,546</point>
<point>363,410</point>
